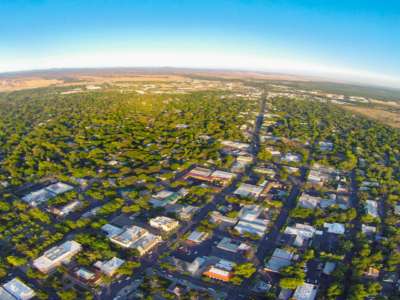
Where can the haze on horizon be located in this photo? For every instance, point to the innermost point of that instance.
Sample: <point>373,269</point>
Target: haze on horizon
<point>355,41</point>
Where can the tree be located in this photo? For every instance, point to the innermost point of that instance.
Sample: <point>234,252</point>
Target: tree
<point>290,283</point>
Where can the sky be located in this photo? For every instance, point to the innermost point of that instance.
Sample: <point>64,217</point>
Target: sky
<point>345,40</point>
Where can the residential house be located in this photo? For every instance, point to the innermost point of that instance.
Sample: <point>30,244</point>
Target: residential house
<point>280,259</point>
<point>306,291</point>
<point>335,228</point>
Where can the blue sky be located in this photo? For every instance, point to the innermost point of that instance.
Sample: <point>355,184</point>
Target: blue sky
<point>356,40</point>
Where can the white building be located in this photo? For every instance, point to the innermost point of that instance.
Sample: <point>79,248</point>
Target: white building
<point>37,197</point>
<point>371,207</point>
<point>306,291</point>
<point>109,267</point>
<point>249,190</point>
<point>302,232</point>
<point>56,256</point>
<point>290,157</point>
<point>308,201</point>
<point>336,228</point>
<point>16,289</point>
<point>133,237</point>
<point>164,223</point>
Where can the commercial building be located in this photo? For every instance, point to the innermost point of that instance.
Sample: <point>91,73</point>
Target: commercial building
<point>15,289</point>
<point>56,256</point>
<point>256,227</point>
<point>207,175</point>
<point>109,267</point>
<point>249,221</point>
<point>133,237</point>
<point>306,291</point>
<point>165,197</point>
<point>249,190</point>
<point>221,271</point>
<point>164,223</point>
<point>40,196</point>
<point>230,245</point>
<point>197,237</point>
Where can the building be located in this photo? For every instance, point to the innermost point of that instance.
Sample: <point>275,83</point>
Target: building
<point>248,190</point>
<point>109,267</point>
<point>280,259</point>
<point>207,175</point>
<point>306,291</point>
<point>164,223</point>
<point>199,173</point>
<point>15,289</point>
<point>40,196</point>
<point>335,228</point>
<point>217,217</point>
<point>308,201</point>
<point>329,267</point>
<point>325,146</point>
<point>236,145</point>
<point>397,209</point>
<point>86,276</point>
<point>250,212</point>
<point>195,265</point>
<point>291,157</point>
<point>371,208</point>
<point>66,209</point>
<point>302,232</point>
<point>197,237</point>
<point>227,244</point>
<point>257,227</point>
<point>249,221</point>
<point>183,212</point>
<point>319,174</point>
<point>165,197</point>
<point>133,237</point>
<point>221,271</point>
<point>56,256</point>
<point>368,230</point>
<point>266,171</point>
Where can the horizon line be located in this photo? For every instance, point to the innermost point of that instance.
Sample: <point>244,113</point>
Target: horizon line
<point>303,76</point>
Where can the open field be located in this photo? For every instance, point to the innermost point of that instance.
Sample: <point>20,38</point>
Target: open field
<point>8,85</point>
<point>14,84</point>
<point>384,116</point>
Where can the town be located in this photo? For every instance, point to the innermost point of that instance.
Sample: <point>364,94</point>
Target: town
<point>200,190</point>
